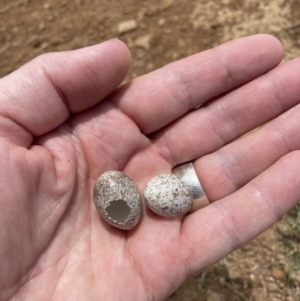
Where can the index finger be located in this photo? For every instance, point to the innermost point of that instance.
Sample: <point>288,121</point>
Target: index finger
<point>156,99</point>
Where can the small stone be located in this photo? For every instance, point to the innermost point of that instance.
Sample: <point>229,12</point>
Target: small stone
<point>290,291</point>
<point>41,26</point>
<point>181,43</point>
<point>161,22</point>
<point>174,55</point>
<point>165,4</point>
<point>280,257</point>
<point>167,196</point>
<point>44,45</point>
<point>271,279</point>
<point>126,26</point>
<point>149,67</point>
<point>143,42</point>
<point>3,49</point>
<point>278,274</point>
<point>272,287</point>
<point>215,297</point>
<point>141,14</point>
<point>295,276</point>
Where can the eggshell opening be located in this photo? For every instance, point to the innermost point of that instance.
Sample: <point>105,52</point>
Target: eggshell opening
<point>118,211</point>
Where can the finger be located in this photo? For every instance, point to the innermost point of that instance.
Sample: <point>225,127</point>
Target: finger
<point>156,99</point>
<point>230,168</point>
<point>233,221</point>
<point>41,95</point>
<point>219,122</point>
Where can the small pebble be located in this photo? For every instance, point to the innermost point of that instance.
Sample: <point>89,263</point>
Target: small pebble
<point>278,274</point>
<point>126,26</point>
<point>272,287</point>
<point>143,42</point>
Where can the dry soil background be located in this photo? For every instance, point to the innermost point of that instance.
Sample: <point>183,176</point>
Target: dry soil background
<point>159,32</point>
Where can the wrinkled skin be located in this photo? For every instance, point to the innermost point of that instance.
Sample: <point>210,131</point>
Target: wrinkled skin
<point>63,122</point>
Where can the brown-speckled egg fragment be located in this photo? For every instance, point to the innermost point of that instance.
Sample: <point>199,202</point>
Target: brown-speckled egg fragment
<point>118,200</point>
<point>167,196</point>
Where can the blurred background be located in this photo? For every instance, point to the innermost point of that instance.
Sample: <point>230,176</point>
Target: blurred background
<point>159,32</point>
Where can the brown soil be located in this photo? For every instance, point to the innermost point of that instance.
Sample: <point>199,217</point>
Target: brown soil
<point>164,31</point>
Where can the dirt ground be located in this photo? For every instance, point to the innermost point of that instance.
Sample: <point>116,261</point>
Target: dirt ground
<point>158,32</point>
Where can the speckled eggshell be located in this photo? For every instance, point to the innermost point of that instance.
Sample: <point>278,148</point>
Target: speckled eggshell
<point>167,196</point>
<point>113,186</point>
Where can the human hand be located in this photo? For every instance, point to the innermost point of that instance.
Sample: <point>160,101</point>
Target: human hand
<point>61,127</point>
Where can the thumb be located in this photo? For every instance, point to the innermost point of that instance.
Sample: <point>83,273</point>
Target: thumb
<point>41,95</point>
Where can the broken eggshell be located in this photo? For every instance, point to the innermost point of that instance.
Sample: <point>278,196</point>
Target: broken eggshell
<point>167,196</point>
<point>118,200</point>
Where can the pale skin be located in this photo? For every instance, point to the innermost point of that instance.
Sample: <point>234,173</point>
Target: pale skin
<point>63,123</point>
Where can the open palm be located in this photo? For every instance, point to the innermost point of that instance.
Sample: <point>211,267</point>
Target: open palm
<point>62,124</point>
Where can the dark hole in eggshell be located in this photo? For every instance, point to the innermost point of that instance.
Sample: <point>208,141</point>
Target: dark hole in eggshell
<point>118,211</point>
